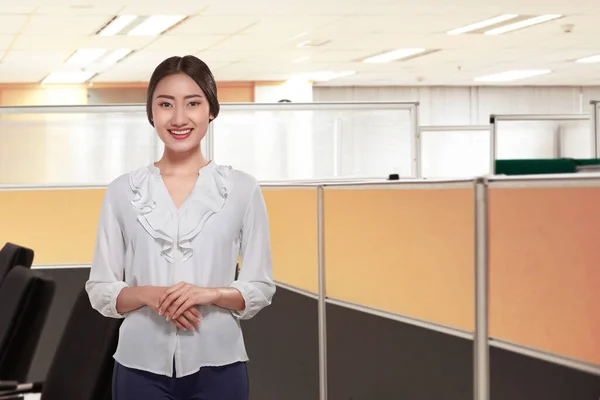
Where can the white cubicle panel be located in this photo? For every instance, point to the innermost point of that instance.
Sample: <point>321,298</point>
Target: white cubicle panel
<point>541,136</point>
<point>454,151</point>
<point>287,141</point>
<point>73,145</point>
<point>284,141</point>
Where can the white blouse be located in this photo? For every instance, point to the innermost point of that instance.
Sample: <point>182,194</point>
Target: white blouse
<point>144,240</point>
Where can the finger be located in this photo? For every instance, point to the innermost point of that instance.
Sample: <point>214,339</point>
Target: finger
<point>178,324</point>
<point>171,290</point>
<point>183,307</point>
<point>189,315</point>
<point>189,321</point>
<point>167,302</point>
<point>175,305</point>
<point>196,312</point>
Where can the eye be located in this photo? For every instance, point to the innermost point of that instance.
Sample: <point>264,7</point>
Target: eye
<point>194,103</point>
<point>165,104</point>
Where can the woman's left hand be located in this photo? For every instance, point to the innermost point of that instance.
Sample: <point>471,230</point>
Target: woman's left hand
<point>182,296</point>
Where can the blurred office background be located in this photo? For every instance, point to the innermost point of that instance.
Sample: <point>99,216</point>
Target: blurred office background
<point>380,293</point>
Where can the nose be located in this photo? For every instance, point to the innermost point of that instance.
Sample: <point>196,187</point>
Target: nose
<point>179,116</point>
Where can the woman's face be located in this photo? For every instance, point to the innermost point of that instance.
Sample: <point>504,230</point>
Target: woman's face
<point>180,112</point>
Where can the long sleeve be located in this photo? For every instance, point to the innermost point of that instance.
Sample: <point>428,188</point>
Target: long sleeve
<point>106,275</point>
<point>255,280</point>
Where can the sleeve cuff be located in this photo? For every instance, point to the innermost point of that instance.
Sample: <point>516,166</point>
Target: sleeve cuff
<point>112,300</point>
<point>250,300</point>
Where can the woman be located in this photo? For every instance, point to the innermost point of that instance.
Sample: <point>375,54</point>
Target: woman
<point>167,247</point>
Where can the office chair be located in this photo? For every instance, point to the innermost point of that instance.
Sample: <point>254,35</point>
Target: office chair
<point>11,255</point>
<point>25,296</point>
<point>83,363</point>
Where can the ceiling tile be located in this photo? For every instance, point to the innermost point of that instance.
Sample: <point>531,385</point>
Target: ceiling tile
<point>19,75</point>
<point>118,42</point>
<point>46,42</point>
<point>16,9</point>
<point>88,8</point>
<point>67,25</point>
<point>40,58</point>
<point>5,41</point>
<point>11,24</point>
<point>185,43</point>
<point>164,8</point>
<point>213,25</point>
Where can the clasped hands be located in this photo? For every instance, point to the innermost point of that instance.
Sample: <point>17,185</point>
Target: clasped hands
<point>178,304</point>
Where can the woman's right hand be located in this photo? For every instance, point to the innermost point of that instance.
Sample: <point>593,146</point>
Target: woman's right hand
<point>186,321</point>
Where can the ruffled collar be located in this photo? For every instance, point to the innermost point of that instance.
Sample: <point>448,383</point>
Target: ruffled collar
<point>175,228</point>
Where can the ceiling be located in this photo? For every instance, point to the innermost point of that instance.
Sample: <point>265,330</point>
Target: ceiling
<point>257,40</point>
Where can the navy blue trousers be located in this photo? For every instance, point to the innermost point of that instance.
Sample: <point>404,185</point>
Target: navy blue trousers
<point>229,382</point>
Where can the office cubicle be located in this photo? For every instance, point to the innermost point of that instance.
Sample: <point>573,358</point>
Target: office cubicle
<point>437,288</point>
<point>85,145</point>
<point>453,151</point>
<point>434,288</point>
<point>541,137</point>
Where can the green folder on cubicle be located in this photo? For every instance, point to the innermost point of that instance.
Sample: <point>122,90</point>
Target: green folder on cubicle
<point>543,166</point>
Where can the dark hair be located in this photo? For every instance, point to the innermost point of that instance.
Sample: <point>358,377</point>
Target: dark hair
<point>194,68</point>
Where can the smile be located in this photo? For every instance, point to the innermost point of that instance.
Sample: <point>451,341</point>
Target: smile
<point>180,133</point>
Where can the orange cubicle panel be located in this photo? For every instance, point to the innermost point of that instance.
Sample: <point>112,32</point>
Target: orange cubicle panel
<point>294,236</point>
<point>60,225</point>
<point>545,269</point>
<point>405,250</point>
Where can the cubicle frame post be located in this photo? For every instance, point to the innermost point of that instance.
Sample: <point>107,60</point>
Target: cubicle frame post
<point>493,143</point>
<point>594,117</point>
<point>481,343</point>
<point>416,142</point>
<point>210,142</point>
<point>322,322</point>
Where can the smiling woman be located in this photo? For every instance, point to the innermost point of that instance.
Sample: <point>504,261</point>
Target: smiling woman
<point>167,247</point>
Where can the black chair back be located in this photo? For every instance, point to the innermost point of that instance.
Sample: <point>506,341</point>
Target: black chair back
<point>26,296</point>
<point>12,255</point>
<point>83,362</point>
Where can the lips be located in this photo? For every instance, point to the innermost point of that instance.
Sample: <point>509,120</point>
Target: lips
<point>180,134</point>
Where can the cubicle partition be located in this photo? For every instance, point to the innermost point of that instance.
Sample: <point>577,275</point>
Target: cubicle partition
<point>469,289</point>
<point>82,145</point>
<point>541,136</point>
<point>453,151</point>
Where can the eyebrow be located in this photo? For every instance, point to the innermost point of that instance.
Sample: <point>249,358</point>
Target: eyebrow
<point>189,96</point>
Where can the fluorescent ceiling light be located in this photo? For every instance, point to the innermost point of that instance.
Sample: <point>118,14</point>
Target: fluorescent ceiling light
<point>513,75</point>
<point>117,25</point>
<point>523,24</point>
<point>85,56</point>
<point>393,55</point>
<point>116,56</point>
<point>482,24</point>
<point>155,25</point>
<point>589,60</point>
<point>68,77</point>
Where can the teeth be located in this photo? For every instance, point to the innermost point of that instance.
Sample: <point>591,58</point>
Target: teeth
<point>181,132</point>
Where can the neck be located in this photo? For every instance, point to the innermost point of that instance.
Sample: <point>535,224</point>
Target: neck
<point>172,163</point>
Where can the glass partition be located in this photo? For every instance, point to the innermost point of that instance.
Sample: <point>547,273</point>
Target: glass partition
<point>72,145</point>
<point>288,141</point>
<point>454,151</point>
<point>79,145</point>
<point>541,136</point>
